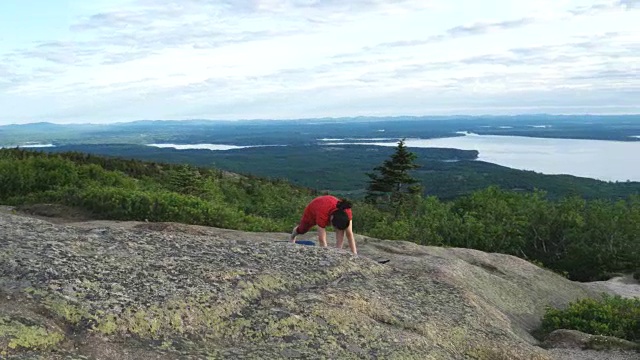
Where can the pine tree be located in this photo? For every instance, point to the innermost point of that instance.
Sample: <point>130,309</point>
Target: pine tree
<point>393,182</point>
<point>186,180</point>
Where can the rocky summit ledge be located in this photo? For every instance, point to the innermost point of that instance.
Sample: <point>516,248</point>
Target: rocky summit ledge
<point>128,290</point>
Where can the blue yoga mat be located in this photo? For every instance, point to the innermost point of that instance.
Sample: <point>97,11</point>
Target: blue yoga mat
<point>305,242</point>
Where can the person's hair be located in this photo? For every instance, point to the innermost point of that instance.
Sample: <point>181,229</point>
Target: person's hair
<point>340,218</point>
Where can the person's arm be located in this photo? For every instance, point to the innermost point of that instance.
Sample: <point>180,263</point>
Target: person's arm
<point>352,239</point>
<point>322,236</point>
<point>339,238</point>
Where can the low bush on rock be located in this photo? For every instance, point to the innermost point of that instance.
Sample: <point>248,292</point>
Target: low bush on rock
<point>613,316</point>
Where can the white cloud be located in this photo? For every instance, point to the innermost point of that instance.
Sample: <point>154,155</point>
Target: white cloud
<point>302,58</point>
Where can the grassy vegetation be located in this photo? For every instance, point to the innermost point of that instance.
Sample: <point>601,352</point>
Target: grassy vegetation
<point>584,239</point>
<point>613,316</point>
<point>15,335</point>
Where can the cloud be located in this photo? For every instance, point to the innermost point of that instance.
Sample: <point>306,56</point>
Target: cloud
<point>630,4</point>
<point>146,12</point>
<point>325,6</point>
<point>582,10</point>
<point>297,58</point>
<point>205,24</point>
<point>199,34</point>
<point>191,30</point>
<point>119,19</point>
<point>597,62</point>
<point>606,6</point>
<point>6,77</point>
<point>564,53</point>
<point>149,28</point>
<point>63,53</point>
<point>10,78</point>
<point>614,77</point>
<point>476,28</point>
<point>4,71</point>
<point>484,27</point>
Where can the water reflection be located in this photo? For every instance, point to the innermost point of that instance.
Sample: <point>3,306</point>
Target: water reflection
<point>598,159</point>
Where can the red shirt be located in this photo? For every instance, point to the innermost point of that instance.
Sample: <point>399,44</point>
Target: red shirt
<point>318,212</point>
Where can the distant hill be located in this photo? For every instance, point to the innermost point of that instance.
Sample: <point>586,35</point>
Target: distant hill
<point>305,131</point>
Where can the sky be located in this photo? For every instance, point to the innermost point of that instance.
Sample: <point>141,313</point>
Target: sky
<point>78,61</point>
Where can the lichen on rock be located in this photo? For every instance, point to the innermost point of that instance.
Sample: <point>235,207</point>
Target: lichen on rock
<point>15,334</point>
<point>137,291</point>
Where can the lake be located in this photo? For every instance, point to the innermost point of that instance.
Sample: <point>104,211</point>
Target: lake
<point>598,159</point>
<point>212,147</point>
<point>198,146</point>
<point>28,146</point>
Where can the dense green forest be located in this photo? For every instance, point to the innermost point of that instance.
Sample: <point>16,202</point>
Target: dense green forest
<point>585,239</point>
<point>445,173</point>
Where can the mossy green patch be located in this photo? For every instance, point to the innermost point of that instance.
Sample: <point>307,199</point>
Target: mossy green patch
<point>71,313</point>
<point>203,316</point>
<point>290,324</point>
<point>15,335</point>
<point>252,289</point>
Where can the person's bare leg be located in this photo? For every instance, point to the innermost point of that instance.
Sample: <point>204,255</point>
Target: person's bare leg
<point>339,238</point>
<point>352,239</point>
<point>322,237</point>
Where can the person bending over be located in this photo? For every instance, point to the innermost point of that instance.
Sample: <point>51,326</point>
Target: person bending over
<point>324,210</point>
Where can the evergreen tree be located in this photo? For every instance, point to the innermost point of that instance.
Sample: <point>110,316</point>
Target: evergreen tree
<point>393,182</point>
<point>185,179</point>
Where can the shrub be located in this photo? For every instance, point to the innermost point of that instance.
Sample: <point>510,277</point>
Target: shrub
<point>612,316</point>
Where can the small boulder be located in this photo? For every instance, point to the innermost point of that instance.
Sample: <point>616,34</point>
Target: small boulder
<point>572,339</point>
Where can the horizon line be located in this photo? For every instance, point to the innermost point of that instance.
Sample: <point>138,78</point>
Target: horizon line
<point>326,118</point>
